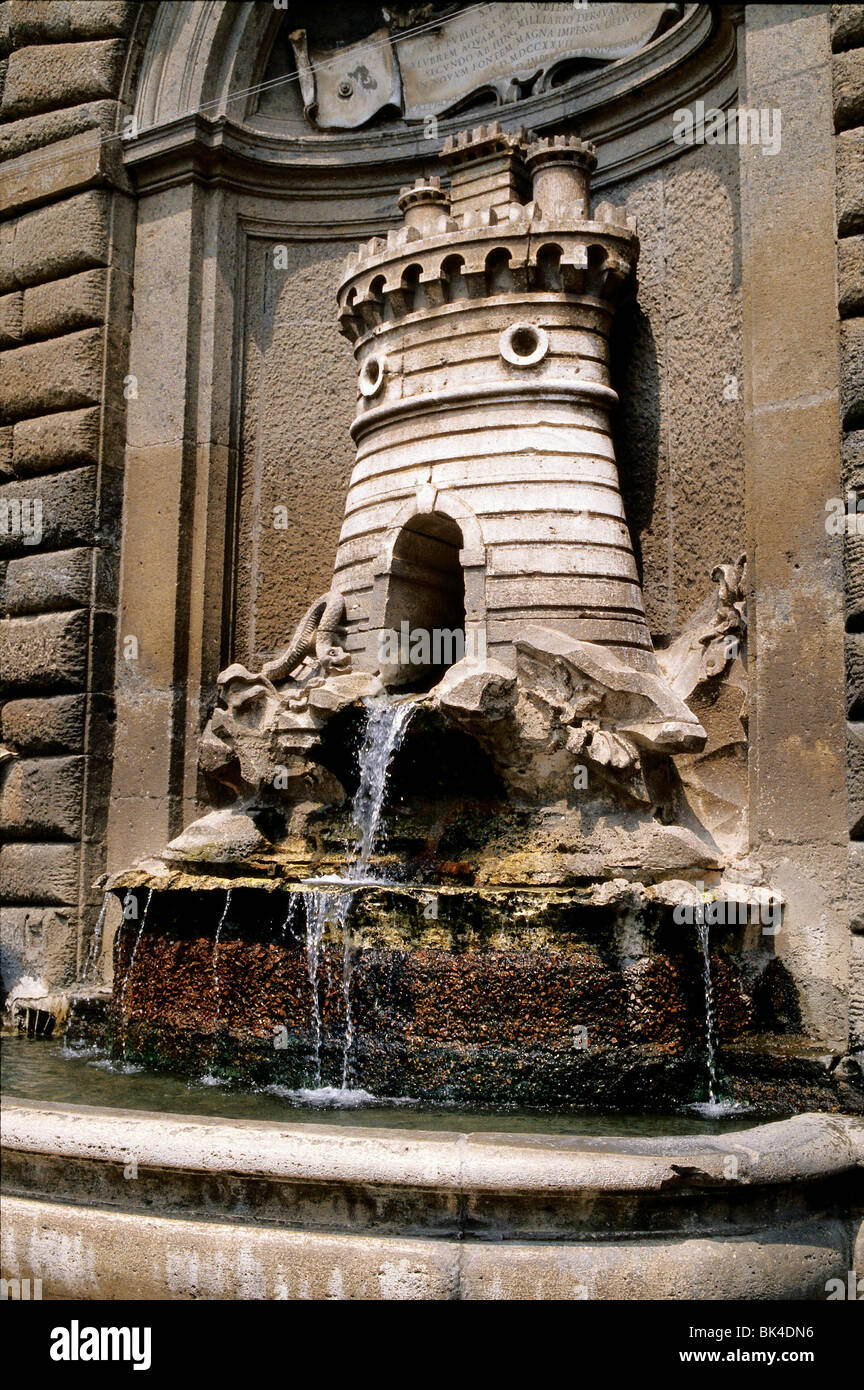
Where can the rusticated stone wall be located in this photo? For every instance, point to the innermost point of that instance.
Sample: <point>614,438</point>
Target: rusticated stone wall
<point>847,43</point>
<point>65,300</point>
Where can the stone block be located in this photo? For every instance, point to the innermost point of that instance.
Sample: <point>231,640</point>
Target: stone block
<point>60,374</point>
<point>47,442</point>
<point>44,651</point>
<point>855,885</point>
<point>54,725</point>
<point>64,306</point>
<point>853,565</point>
<point>847,27</point>
<point>35,21</point>
<point>11,317</point>
<point>44,76</point>
<point>39,873</point>
<point>850,275</point>
<point>41,797</point>
<point>67,511</point>
<point>34,132</point>
<point>40,583</point>
<point>852,373</point>
<point>58,240</point>
<point>855,675</point>
<point>848,81</point>
<point>5,452</point>
<point>855,778</point>
<point>852,455</point>
<point>850,182</point>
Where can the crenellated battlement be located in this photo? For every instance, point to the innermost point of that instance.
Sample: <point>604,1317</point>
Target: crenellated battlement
<point>515,218</point>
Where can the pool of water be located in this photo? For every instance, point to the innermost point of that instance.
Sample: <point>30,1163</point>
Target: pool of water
<point>45,1069</point>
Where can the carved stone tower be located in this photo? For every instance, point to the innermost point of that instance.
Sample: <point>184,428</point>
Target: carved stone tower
<point>485,491</point>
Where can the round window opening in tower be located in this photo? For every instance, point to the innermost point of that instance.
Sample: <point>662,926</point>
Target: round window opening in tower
<point>523,344</point>
<point>372,376</point>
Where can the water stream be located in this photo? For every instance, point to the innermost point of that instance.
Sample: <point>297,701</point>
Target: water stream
<point>329,901</point>
<point>95,940</point>
<point>129,970</point>
<point>710,1014</point>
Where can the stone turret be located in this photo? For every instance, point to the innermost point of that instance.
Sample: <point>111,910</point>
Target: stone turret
<point>485,492</point>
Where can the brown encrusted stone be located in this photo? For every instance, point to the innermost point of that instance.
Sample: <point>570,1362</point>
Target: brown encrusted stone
<point>44,651</point>
<point>54,725</point>
<point>42,76</point>
<point>850,275</point>
<point>64,306</point>
<point>38,583</point>
<point>46,442</point>
<point>850,182</point>
<point>11,318</point>
<point>58,240</point>
<point>847,26</point>
<point>60,374</point>
<point>39,873</point>
<point>848,79</point>
<point>68,510</point>
<point>852,373</point>
<point>42,797</point>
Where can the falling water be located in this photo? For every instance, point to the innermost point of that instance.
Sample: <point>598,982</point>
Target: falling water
<point>130,967</point>
<point>710,1016</point>
<point>385,729</point>
<point>216,985</point>
<point>96,940</point>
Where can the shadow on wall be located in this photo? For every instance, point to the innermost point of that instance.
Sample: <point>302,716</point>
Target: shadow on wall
<point>636,421</point>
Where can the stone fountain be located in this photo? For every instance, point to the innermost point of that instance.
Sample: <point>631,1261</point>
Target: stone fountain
<point>468,820</point>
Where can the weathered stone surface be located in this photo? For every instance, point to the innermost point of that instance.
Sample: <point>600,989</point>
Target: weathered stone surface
<point>43,651</point>
<point>850,275</point>
<point>852,373</point>
<point>57,240</point>
<point>35,21</point>
<point>855,885</point>
<point>848,75</point>
<point>850,182</point>
<point>64,306</point>
<point>855,778</point>
<point>855,675</point>
<point>80,161</point>
<point>40,77</point>
<point>221,837</point>
<point>39,873</point>
<point>53,725</point>
<point>61,374</point>
<point>62,440</point>
<point>34,132</point>
<point>847,26</point>
<point>6,470</point>
<point>68,516</point>
<point>38,941</point>
<point>11,317</point>
<point>40,583</point>
<point>41,797</point>
<point>852,455</point>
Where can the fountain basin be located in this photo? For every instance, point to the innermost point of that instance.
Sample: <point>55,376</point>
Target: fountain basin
<point>535,997</point>
<point>114,1204</point>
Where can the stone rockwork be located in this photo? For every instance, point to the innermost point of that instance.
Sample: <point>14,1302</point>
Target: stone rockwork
<point>65,300</point>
